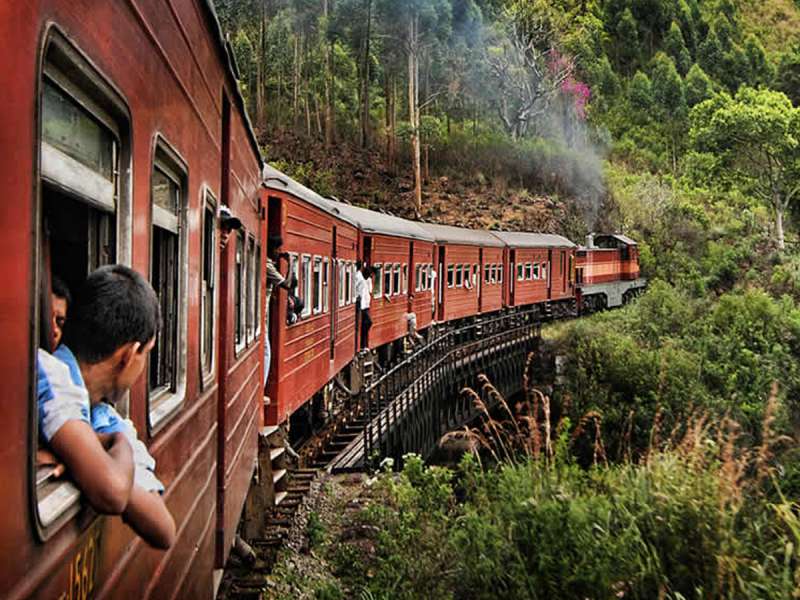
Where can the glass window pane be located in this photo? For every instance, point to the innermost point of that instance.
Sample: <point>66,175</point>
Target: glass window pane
<point>166,192</point>
<point>68,127</point>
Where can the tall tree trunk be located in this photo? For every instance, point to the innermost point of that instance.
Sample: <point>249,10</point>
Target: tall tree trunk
<point>262,61</point>
<point>413,108</point>
<point>318,110</point>
<point>327,78</point>
<point>296,83</point>
<point>365,133</point>
<point>776,200</point>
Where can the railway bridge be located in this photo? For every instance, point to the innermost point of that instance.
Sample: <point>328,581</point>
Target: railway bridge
<point>409,407</point>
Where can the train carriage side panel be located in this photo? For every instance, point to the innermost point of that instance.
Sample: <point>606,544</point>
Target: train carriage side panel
<point>491,280</point>
<point>345,326</point>
<point>167,64</point>
<point>389,302</point>
<point>422,305</point>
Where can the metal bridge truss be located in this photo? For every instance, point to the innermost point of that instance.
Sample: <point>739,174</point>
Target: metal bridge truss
<point>412,405</point>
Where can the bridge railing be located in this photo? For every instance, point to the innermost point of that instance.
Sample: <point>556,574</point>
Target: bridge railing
<point>419,399</point>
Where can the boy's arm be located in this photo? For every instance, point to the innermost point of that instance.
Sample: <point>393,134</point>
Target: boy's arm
<point>149,517</point>
<point>103,474</point>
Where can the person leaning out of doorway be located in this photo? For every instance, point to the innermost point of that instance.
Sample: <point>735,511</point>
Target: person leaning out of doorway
<point>363,298</point>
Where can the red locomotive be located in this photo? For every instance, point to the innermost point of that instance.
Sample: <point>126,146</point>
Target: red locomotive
<point>127,146</point>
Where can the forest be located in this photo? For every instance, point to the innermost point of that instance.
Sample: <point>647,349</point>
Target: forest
<point>666,465</point>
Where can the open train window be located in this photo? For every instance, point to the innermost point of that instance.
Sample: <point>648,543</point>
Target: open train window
<point>208,287</point>
<point>405,279</point>
<point>459,275</point>
<point>450,275</point>
<point>348,283</point>
<point>168,275</point>
<point>543,273</point>
<point>528,271</point>
<point>250,296</point>
<point>520,272</point>
<point>353,282</point>
<point>238,294</point>
<point>486,277</point>
<point>417,277</point>
<point>257,293</point>
<point>325,284</point>
<point>499,273</point>
<point>377,280</point>
<point>84,217</point>
<point>306,284</point>
<point>340,272</point>
<point>387,279</point>
<point>316,286</point>
<point>396,289</point>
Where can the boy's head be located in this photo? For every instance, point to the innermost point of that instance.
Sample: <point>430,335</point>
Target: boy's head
<point>114,318</point>
<point>274,243</point>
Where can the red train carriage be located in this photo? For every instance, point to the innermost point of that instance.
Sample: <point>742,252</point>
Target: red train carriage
<point>540,268</point>
<point>322,245</point>
<point>461,257</point>
<point>607,271</point>
<point>126,144</point>
<point>402,254</point>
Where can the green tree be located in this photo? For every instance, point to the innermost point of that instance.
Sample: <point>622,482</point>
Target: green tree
<point>669,100</point>
<point>756,137</point>
<point>698,86</point>
<point>628,51</point>
<point>760,71</point>
<point>640,92</point>
<point>787,78</point>
<point>675,46</point>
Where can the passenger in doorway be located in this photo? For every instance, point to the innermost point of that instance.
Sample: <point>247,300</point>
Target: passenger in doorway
<point>274,279</point>
<point>227,225</point>
<point>60,299</point>
<point>114,319</point>
<point>414,337</point>
<point>363,298</point>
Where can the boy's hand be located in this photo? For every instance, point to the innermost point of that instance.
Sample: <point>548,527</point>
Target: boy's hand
<point>45,458</point>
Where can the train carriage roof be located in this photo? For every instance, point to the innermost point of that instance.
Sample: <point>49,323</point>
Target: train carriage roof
<point>458,235</point>
<point>371,221</point>
<point>624,239</point>
<point>274,179</point>
<point>521,239</point>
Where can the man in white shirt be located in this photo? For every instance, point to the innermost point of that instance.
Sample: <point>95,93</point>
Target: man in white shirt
<point>363,298</point>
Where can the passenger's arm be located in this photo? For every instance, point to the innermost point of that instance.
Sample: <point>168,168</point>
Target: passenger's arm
<point>103,474</point>
<point>148,516</point>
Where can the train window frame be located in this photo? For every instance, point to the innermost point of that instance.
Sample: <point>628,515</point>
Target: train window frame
<point>377,280</point>
<point>353,270</point>
<point>306,284</point>
<point>417,277</point>
<point>500,273</point>
<point>459,276</point>
<point>325,284</point>
<point>475,274</point>
<point>250,283</point>
<point>451,276</point>
<point>396,280</point>
<point>257,289</point>
<point>348,281</point>
<point>520,272</point>
<point>528,272</point>
<point>404,276</point>
<point>163,402</point>
<point>387,279</point>
<point>543,271</point>
<point>208,289</point>
<point>316,285</point>
<point>84,86</point>
<point>239,341</point>
<point>340,275</point>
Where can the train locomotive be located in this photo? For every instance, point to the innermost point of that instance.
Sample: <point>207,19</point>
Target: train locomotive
<point>129,135</point>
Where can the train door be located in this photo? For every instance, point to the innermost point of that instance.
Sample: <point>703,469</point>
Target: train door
<point>333,291</point>
<point>549,274</point>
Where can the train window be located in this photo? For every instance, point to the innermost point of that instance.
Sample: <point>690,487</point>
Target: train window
<point>168,273</point>
<point>396,280</point>
<point>544,271</point>
<point>486,269</point>
<point>85,218</point>
<point>528,272</point>
<point>316,286</point>
<point>405,279</point>
<point>377,281</point>
<point>207,287</point>
<point>250,296</point>
<point>499,273</point>
<point>325,284</point>
<point>450,275</point>
<point>535,274</point>
<point>520,272</point>
<point>340,271</point>
<point>238,293</point>
<point>387,279</point>
<point>257,288</point>
<point>475,274</point>
<point>493,274</point>
<point>417,277</point>
<point>306,285</point>
<point>459,275</point>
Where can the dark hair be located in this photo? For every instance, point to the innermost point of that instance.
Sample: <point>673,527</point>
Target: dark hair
<point>273,243</point>
<point>114,306</point>
<point>60,289</point>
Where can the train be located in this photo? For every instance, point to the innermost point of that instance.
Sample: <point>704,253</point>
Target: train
<point>130,135</point>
